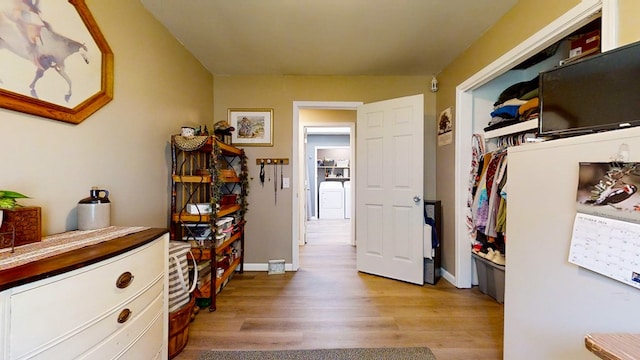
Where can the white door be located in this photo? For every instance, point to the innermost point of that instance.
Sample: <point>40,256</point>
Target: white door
<point>389,186</point>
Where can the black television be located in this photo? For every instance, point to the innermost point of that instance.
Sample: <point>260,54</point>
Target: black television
<point>598,93</point>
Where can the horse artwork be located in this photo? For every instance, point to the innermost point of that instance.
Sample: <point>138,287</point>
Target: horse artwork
<point>44,60</point>
<point>255,126</point>
<point>25,33</point>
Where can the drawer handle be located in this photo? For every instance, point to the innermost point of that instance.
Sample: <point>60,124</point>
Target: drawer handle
<point>124,316</point>
<point>124,280</point>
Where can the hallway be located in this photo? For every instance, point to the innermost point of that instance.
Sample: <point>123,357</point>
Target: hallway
<point>328,304</point>
<point>328,231</point>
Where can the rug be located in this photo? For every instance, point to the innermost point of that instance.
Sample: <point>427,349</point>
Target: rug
<point>410,353</point>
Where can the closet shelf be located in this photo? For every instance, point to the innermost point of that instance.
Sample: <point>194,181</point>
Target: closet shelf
<point>512,129</point>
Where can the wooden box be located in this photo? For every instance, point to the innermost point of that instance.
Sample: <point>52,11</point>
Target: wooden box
<point>27,221</point>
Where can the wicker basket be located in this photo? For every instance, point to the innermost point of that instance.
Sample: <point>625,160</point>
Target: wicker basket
<point>179,328</point>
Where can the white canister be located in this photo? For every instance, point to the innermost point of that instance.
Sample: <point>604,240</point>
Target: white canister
<point>188,131</point>
<point>94,212</point>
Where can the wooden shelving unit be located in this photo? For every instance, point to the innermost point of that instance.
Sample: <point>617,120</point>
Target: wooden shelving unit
<point>205,175</point>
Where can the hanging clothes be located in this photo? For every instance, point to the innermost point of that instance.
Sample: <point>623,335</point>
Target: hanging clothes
<point>487,200</point>
<point>494,195</point>
<point>434,236</point>
<point>481,201</point>
<point>477,153</point>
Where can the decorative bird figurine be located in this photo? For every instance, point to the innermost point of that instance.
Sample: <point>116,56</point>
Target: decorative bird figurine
<point>614,195</point>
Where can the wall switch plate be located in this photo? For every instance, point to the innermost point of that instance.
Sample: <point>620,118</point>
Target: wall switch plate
<point>285,183</point>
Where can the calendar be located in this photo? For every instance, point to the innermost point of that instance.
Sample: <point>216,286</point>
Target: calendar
<point>607,246</point>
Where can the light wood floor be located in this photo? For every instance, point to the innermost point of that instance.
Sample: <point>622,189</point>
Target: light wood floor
<point>328,304</point>
<point>328,231</point>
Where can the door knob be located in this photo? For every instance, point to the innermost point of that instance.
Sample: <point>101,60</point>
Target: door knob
<point>417,199</point>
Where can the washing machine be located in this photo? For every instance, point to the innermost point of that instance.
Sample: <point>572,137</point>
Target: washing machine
<point>347,199</point>
<point>331,202</point>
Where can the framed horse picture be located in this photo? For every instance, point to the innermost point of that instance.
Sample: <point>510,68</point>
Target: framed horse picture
<point>252,127</point>
<point>54,61</point>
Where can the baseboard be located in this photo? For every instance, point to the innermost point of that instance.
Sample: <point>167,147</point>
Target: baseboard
<point>447,276</point>
<point>289,267</point>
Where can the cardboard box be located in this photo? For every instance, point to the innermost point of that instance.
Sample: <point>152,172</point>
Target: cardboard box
<point>27,221</point>
<point>585,44</point>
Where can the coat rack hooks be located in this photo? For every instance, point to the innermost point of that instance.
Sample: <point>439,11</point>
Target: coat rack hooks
<point>270,161</point>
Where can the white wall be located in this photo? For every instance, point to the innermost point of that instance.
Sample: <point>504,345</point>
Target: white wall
<point>550,304</point>
<point>123,147</point>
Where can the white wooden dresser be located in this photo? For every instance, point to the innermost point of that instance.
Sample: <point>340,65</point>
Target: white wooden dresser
<point>102,301</point>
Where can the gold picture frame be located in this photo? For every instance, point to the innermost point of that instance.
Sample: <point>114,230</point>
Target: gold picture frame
<point>61,66</point>
<point>253,127</point>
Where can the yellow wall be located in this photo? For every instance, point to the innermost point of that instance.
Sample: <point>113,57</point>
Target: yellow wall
<point>322,116</point>
<point>629,26</point>
<point>123,147</point>
<point>269,224</point>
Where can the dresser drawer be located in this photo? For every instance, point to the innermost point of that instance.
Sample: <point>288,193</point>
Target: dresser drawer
<point>149,345</point>
<point>73,344</point>
<point>68,303</point>
<point>141,338</point>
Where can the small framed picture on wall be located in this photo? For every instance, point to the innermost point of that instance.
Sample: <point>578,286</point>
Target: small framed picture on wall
<point>253,127</point>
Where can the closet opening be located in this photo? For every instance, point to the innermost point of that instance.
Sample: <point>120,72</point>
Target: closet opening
<point>475,99</point>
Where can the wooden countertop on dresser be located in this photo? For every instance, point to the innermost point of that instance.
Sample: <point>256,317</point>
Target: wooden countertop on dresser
<point>75,259</point>
<point>614,346</point>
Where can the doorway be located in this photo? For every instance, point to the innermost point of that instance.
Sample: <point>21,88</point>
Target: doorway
<point>329,165</point>
<point>300,157</point>
<point>328,160</point>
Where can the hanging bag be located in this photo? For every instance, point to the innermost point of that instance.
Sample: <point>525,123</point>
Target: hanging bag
<point>179,274</point>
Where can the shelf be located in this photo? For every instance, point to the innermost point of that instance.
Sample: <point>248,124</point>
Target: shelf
<point>200,176</point>
<point>230,180</point>
<point>200,254</point>
<point>204,253</point>
<point>336,179</point>
<point>228,149</point>
<point>512,129</point>
<point>186,217</point>
<point>227,274</point>
<point>204,291</point>
<point>227,209</point>
<point>200,179</point>
<point>332,167</point>
<point>225,245</point>
<point>203,218</point>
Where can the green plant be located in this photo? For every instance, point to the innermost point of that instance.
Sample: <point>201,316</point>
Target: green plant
<point>8,199</point>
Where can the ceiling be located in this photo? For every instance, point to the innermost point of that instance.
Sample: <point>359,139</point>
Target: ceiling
<point>327,37</point>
